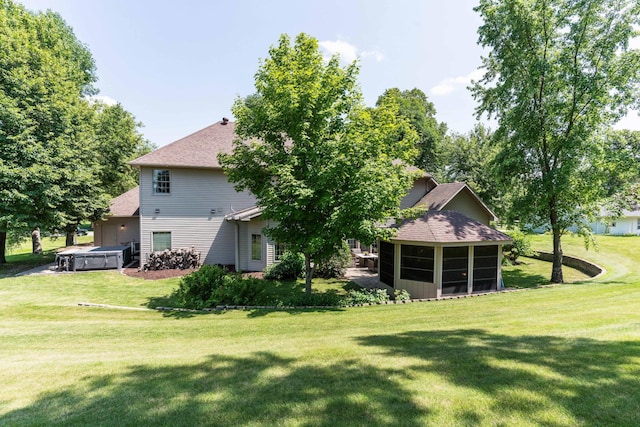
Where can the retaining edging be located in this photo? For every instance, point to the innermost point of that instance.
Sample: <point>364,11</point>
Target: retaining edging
<point>590,269</point>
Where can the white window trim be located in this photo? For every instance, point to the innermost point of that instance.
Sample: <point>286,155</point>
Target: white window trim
<point>162,231</point>
<point>153,182</point>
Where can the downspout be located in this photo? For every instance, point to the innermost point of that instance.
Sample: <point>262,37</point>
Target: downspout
<point>237,251</point>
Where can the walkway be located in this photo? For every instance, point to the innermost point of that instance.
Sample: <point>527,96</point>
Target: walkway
<point>365,278</point>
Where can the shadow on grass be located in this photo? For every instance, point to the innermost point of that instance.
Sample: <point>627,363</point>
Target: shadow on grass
<point>260,389</point>
<point>520,277</point>
<point>595,382</point>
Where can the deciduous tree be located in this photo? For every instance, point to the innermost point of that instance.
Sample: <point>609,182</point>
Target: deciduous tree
<point>557,72</point>
<point>322,166</point>
<point>421,113</point>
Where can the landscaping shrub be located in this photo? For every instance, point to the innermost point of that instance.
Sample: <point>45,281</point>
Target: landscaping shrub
<point>196,288</point>
<point>328,298</point>
<point>291,266</point>
<point>366,296</point>
<point>401,295</point>
<point>211,285</point>
<point>335,266</point>
<point>520,246</point>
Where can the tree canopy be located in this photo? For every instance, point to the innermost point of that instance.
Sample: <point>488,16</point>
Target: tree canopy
<point>322,166</point>
<point>49,171</point>
<point>557,73</point>
<point>468,158</point>
<point>421,113</point>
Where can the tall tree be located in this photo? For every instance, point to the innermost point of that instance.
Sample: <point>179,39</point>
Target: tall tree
<point>45,73</point>
<point>110,139</point>
<point>118,141</point>
<point>322,166</point>
<point>421,113</point>
<point>468,158</point>
<point>557,72</point>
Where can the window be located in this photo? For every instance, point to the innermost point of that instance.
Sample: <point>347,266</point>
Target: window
<point>352,243</point>
<point>455,264</point>
<point>161,181</point>
<point>161,240</point>
<point>416,263</point>
<point>638,224</point>
<point>485,268</point>
<point>279,251</point>
<point>256,247</point>
<point>386,263</point>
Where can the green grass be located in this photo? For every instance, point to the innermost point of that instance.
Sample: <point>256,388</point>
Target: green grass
<point>557,356</point>
<point>531,272</point>
<point>20,258</point>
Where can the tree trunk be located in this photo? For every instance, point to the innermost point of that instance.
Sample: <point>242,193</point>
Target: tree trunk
<point>3,245</point>
<point>71,238</point>
<point>36,242</point>
<point>556,269</point>
<point>308,275</point>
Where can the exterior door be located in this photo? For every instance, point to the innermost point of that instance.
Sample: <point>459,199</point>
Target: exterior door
<point>109,235</point>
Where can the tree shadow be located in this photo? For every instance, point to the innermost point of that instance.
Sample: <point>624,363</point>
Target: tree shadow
<point>262,388</point>
<point>518,278</point>
<point>596,382</point>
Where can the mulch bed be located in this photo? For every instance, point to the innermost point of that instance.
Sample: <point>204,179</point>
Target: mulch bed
<point>167,274</point>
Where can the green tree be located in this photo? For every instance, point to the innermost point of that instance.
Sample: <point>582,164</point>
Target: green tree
<point>322,166</point>
<point>45,73</point>
<point>101,171</point>
<point>118,142</point>
<point>468,158</point>
<point>421,113</point>
<point>557,73</point>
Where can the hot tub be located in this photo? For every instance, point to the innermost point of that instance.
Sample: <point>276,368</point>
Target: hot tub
<point>98,258</point>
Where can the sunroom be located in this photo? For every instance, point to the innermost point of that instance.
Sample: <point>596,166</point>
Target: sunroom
<point>441,254</point>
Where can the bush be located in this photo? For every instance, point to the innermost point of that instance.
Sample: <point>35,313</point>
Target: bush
<point>520,246</point>
<point>335,266</point>
<point>291,266</point>
<point>366,296</point>
<point>401,295</point>
<point>211,285</point>
<point>328,298</point>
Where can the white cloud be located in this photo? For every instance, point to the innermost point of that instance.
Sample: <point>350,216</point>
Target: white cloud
<point>378,56</point>
<point>104,99</point>
<point>449,85</point>
<point>348,52</point>
<point>634,43</point>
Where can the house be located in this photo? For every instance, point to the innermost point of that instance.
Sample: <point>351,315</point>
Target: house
<point>185,200</point>
<point>625,224</point>
<point>123,225</point>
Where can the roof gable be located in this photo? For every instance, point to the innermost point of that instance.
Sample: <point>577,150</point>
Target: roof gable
<point>447,227</point>
<point>198,150</point>
<point>438,198</point>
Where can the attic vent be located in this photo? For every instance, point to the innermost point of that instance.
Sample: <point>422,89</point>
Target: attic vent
<point>225,121</point>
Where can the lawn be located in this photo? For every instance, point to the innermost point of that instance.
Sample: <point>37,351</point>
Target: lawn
<point>558,356</point>
<point>19,258</point>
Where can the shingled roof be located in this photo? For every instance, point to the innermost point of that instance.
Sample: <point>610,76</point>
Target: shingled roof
<point>126,204</point>
<point>438,198</point>
<point>198,150</point>
<point>447,227</point>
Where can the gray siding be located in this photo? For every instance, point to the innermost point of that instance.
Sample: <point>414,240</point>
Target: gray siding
<point>467,205</point>
<point>193,212</point>
<point>416,193</point>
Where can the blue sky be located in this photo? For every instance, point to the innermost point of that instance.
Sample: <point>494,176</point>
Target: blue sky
<point>178,66</point>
